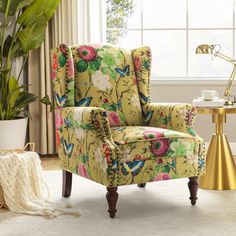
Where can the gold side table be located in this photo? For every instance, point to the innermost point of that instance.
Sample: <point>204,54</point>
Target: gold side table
<point>220,165</point>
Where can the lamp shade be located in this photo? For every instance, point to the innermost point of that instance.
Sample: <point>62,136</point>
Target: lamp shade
<point>205,49</point>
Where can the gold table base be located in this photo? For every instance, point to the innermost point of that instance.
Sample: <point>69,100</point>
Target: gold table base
<point>220,165</point>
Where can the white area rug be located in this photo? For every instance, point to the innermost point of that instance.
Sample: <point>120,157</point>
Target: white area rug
<point>161,209</point>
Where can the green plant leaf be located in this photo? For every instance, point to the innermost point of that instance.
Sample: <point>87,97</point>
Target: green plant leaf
<point>4,71</point>
<point>12,99</point>
<point>46,100</point>
<point>38,8</point>
<point>23,4</point>
<point>7,45</point>
<point>1,111</point>
<point>24,99</point>
<point>31,37</point>
<point>12,8</point>
<point>26,114</point>
<point>17,50</point>
<point>12,85</point>
<point>34,20</point>
<point>15,5</point>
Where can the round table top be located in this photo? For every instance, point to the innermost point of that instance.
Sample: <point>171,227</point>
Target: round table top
<point>216,110</point>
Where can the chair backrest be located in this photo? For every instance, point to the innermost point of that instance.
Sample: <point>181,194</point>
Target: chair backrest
<point>103,76</point>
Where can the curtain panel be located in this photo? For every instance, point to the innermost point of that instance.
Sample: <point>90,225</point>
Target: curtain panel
<point>61,28</point>
<point>74,22</point>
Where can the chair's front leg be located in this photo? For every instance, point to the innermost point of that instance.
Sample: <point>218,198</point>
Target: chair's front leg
<point>193,187</point>
<point>112,197</point>
<point>66,183</point>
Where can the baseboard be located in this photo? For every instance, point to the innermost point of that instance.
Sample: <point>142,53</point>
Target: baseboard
<point>232,145</point>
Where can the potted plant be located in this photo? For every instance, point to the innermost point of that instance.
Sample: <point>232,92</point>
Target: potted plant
<point>22,28</point>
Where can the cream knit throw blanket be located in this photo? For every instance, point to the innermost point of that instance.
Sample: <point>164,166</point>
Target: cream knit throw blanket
<point>22,186</point>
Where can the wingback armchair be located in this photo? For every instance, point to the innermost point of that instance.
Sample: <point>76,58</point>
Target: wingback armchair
<point>107,129</point>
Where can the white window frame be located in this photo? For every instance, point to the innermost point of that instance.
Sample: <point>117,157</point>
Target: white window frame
<point>187,78</point>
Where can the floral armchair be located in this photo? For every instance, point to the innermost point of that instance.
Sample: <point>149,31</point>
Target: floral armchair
<point>107,129</point>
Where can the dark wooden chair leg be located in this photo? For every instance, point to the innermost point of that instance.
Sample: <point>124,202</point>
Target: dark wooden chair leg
<point>112,197</point>
<point>66,183</point>
<point>141,185</point>
<point>193,187</point>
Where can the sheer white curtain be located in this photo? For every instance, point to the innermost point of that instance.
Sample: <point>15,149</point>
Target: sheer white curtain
<point>91,20</point>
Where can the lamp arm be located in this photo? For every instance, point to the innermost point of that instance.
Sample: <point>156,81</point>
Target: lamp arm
<point>224,57</point>
<point>230,82</point>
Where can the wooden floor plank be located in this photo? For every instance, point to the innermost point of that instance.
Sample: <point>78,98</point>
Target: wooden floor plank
<point>50,163</point>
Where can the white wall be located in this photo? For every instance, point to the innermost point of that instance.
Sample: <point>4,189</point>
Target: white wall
<point>182,92</point>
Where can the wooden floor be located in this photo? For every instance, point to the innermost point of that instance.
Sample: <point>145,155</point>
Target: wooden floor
<point>50,163</point>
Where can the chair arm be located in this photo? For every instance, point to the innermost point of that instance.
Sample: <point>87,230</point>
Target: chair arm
<point>85,145</point>
<point>175,116</point>
<point>94,118</point>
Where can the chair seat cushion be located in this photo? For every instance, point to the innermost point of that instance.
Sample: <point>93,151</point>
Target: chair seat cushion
<point>142,143</point>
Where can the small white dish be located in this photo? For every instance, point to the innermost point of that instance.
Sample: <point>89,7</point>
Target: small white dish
<point>213,99</point>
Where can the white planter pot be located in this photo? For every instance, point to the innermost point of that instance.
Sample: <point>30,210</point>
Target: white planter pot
<point>13,133</point>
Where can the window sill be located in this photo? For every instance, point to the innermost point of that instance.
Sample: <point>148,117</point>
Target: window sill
<point>179,81</point>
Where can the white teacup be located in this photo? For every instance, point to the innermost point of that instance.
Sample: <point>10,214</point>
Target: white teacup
<point>209,94</point>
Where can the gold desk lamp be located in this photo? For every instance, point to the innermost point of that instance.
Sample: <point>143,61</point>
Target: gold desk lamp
<point>215,51</point>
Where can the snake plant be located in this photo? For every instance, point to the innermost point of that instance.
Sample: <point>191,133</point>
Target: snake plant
<point>22,28</point>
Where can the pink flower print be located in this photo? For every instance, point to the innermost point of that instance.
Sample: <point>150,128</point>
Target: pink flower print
<point>70,68</point>
<point>114,119</point>
<point>138,157</point>
<point>166,176</point>
<point>163,176</point>
<point>57,139</point>
<point>191,116</point>
<point>82,170</point>
<point>63,48</point>
<point>105,100</point>
<point>87,53</point>
<point>53,74</point>
<point>58,119</point>
<point>137,63</point>
<point>106,151</point>
<point>55,62</point>
<point>159,147</point>
<point>152,134</point>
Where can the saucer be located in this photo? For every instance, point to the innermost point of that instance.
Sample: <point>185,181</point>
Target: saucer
<point>213,99</point>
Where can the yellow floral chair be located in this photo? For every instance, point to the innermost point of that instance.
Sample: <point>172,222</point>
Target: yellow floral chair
<point>108,131</point>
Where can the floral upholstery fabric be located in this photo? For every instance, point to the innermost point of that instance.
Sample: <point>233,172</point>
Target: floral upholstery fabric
<point>105,77</point>
<point>142,65</point>
<point>143,171</point>
<point>62,68</point>
<point>85,149</point>
<point>144,143</point>
<point>151,142</point>
<point>175,116</point>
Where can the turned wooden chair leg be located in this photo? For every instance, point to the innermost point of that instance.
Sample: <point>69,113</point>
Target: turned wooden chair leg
<point>66,183</point>
<point>112,197</point>
<point>141,185</point>
<point>193,187</point>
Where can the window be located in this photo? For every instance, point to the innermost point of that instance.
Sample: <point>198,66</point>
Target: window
<point>173,29</point>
